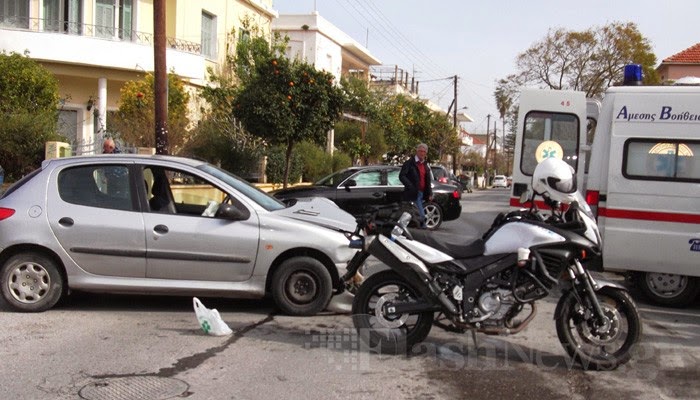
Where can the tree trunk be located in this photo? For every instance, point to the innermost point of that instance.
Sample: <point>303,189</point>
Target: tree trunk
<point>287,164</point>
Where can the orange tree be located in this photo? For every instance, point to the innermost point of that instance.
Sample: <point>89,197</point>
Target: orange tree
<point>134,122</point>
<point>283,101</point>
<point>407,121</point>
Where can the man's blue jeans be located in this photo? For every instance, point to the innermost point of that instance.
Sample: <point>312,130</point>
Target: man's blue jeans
<point>421,211</point>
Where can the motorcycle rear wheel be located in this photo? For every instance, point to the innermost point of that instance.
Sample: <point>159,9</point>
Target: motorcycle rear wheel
<point>387,334</point>
<point>599,347</point>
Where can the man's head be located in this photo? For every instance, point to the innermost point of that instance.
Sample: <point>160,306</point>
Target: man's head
<point>422,151</point>
<point>108,146</point>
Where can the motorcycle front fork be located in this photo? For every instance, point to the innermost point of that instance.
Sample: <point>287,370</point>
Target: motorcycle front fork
<point>582,279</point>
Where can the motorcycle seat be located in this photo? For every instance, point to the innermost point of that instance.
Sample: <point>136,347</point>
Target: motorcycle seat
<point>457,249</point>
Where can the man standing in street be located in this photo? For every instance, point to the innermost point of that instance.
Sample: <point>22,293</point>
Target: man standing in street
<point>109,147</point>
<point>415,176</point>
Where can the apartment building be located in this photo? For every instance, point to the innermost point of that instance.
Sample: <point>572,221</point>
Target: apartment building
<point>95,46</point>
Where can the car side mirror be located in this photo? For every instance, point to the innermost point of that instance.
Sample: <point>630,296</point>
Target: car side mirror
<point>229,212</point>
<point>290,201</point>
<point>349,183</point>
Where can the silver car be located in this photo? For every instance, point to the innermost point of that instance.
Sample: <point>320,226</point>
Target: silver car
<point>122,223</point>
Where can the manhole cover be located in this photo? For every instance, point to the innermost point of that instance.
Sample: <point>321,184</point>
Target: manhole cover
<point>134,387</point>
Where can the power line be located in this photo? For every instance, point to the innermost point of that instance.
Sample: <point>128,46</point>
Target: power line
<point>408,44</point>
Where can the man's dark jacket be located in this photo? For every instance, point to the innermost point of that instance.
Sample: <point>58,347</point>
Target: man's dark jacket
<point>410,176</point>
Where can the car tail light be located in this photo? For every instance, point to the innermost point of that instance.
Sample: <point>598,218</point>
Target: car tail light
<point>456,194</point>
<point>442,180</point>
<point>6,213</point>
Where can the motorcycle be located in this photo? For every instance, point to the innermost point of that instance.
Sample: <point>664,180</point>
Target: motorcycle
<point>491,285</point>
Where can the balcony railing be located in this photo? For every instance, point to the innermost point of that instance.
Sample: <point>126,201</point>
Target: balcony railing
<point>95,31</point>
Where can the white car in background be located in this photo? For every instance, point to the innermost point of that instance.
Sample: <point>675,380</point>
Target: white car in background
<point>499,181</point>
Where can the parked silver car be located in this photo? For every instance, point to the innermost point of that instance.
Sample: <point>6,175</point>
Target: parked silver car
<point>124,223</point>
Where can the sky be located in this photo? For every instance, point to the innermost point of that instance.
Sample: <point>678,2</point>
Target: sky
<point>479,40</point>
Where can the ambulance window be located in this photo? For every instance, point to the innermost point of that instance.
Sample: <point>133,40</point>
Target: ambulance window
<point>541,127</point>
<point>662,160</point>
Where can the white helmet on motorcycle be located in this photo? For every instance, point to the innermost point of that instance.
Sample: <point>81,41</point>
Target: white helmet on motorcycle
<point>555,179</point>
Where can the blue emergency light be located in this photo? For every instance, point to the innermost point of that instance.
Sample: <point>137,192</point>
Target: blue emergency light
<point>633,75</point>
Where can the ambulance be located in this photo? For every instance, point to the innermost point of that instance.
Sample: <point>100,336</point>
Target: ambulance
<point>637,158</point>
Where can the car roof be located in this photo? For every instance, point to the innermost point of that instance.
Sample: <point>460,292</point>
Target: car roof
<point>122,157</point>
<point>378,166</point>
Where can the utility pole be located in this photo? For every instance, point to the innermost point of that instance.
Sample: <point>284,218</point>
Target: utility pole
<point>161,77</point>
<point>495,145</point>
<point>454,123</point>
<point>454,112</point>
<point>488,145</point>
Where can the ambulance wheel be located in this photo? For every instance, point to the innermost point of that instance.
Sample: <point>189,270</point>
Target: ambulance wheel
<point>668,289</point>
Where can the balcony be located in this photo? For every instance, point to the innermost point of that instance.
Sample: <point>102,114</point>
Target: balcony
<point>97,46</point>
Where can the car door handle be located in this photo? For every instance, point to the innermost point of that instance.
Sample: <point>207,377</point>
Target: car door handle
<point>66,221</point>
<point>160,229</point>
<point>378,194</point>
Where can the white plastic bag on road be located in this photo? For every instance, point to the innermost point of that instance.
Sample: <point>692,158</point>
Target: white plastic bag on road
<point>209,320</point>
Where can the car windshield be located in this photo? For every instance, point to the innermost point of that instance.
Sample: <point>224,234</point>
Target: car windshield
<point>252,192</point>
<point>335,178</point>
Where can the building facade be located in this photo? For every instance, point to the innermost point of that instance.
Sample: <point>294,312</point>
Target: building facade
<point>94,47</point>
<point>316,41</point>
<point>684,64</point>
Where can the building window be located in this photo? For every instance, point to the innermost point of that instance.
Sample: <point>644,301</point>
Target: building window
<point>126,16</point>
<point>63,16</point>
<point>104,18</point>
<point>14,13</point>
<point>208,35</point>
<point>243,35</point>
<point>68,125</point>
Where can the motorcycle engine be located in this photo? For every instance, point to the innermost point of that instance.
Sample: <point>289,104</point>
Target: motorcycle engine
<point>498,302</point>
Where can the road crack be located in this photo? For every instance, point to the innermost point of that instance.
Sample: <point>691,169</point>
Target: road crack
<point>195,360</point>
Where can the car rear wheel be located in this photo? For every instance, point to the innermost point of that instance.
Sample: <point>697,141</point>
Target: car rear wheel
<point>31,282</point>
<point>433,215</point>
<point>668,289</point>
<point>302,286</point>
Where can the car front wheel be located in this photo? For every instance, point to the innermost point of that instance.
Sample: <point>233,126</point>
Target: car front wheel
<point>433,216</point>
<point>302,286</point>
<point>31,282</point>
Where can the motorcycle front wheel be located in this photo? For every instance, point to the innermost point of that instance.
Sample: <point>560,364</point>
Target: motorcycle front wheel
<point>595,344</point>
<point>384,333</point>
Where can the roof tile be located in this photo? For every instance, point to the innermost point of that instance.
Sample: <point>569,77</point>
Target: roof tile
<point>691,55</point>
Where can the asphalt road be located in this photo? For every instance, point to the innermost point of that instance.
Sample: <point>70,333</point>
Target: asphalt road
<point>141,347</point>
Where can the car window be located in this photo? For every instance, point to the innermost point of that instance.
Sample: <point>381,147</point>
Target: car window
<point>173,191</point>
<point>251,192</point>
<point>392,178</point>
<point>438,172</point>
<point>104,186</point>
<point>20,183</point>
<point>368,178</point>
<point>335,178</point>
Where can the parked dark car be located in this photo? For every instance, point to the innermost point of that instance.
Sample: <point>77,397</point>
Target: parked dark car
<point>444,175</point>
<point>354,189</point>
